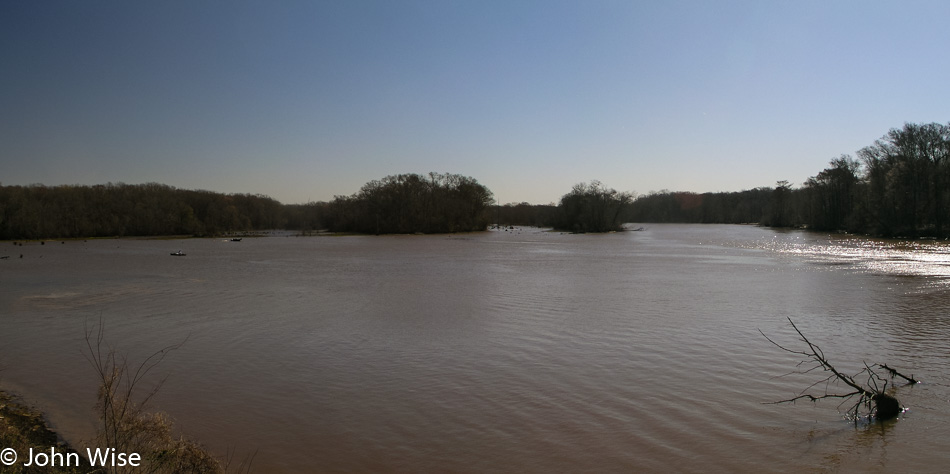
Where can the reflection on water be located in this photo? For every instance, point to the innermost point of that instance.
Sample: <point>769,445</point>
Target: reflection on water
<point>500,351</point>
<point>927,258</point>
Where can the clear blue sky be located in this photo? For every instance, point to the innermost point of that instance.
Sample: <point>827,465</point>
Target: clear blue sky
<point>306,100</point>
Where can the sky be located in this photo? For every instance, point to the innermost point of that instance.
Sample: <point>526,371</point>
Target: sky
<point>305,100</point>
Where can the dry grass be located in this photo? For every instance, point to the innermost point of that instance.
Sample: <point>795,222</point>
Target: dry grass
<point>23,428</point>
<point>125,424</point>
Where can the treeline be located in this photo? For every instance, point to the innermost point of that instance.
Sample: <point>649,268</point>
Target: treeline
<point>745,207</point>
<point>526,214</point>
<point>406,203</point>
<point>902,188</point>
<point>897,187</point>
<point>588,207</point>
<point>33,212</point>
<point>412,203</point>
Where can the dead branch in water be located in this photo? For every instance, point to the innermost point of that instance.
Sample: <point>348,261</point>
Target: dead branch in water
<point>871,395</point>
<point>910,380</point>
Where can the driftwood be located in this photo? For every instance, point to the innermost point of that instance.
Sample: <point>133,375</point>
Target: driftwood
<point>910,380</point>
<point>871,396</point>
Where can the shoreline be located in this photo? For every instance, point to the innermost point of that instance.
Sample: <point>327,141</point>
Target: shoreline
<point>24,428</point>
<point>28,444</point>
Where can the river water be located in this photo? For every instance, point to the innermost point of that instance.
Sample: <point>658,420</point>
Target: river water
<point>502,351</point>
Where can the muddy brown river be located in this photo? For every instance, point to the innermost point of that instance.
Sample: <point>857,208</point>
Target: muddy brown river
<point>502,351</point>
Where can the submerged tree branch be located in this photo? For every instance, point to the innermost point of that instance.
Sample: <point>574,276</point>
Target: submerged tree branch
<point>894,373</point>
<point>871,395</point>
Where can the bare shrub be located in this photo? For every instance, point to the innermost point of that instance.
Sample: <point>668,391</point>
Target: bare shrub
<point>126,425</point>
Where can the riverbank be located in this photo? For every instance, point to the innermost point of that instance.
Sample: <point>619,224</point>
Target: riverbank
<point>29,445</point>
<point>23,428</point>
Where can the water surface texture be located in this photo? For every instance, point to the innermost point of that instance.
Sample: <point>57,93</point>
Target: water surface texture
<point>502,351</point>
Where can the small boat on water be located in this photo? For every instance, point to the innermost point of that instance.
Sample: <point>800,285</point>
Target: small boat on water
<point>178,254</point>
<point>236,240</point>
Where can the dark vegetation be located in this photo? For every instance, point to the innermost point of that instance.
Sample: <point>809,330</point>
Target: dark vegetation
<point>591,208</point>
<point>407,203</point>
<point>36,211</point>
<point>744,207</point>
<point>897,187</point>
<point>587,208</point>
<point>537,215</point>
<point>412,203</point>
<point>871,398</point>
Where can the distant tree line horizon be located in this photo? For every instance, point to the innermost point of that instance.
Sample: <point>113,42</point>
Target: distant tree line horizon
<point>120,210</point>
<point>897,187</point>
<point>398,204</point>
